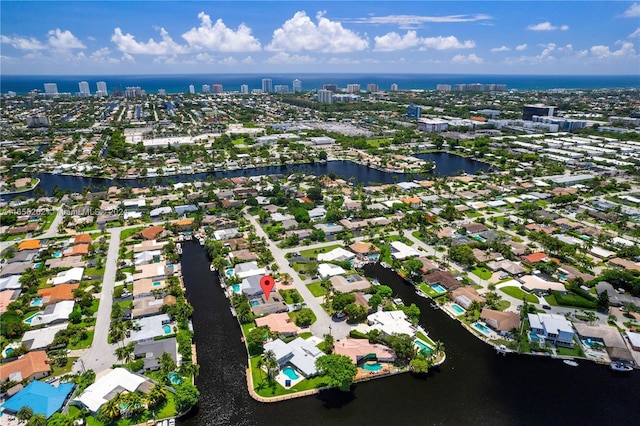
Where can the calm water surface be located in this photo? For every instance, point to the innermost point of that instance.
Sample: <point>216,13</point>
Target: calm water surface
<point>475,386</point>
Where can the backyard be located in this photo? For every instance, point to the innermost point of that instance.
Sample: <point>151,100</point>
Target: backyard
<point>519,294</point>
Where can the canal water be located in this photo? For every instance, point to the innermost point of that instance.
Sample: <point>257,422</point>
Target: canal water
<point>475,386</point>
<point>446,164</point>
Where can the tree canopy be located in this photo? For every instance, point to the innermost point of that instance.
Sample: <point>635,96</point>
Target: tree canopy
<point>338,369</point>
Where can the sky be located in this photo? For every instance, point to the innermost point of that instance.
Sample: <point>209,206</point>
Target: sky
<point>473,37</point>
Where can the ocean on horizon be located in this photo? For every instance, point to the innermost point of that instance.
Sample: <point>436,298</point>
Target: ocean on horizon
<point>179,83</point>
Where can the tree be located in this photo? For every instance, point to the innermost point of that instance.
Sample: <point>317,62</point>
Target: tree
<point>402,345</point>
<point>37,420</point>
<point>462,254</point>
<point>413,267</point>
<point>328,343</point>
<point>412,312</point>
<point>59,419</point>
<point>111,409</point>
<point>356,312</point>
<point>156,395</point>
<point>603,301</point>
<point>25,413</point>
<point>338,369</point>
<point>271,363</point>
<point>167,364</point>
<point>341,300</point>
<point>420,364</point>
<point>374,301</point>
<point>315,193</point>
<point>124,353</point>
<point>384,291</point>
<point>186,396</point>
<point>304,318</point>
<point>255,340</point>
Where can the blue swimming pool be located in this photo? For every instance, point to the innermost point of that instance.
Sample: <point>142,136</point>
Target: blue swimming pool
<point>457,308</point>
<point>157,284</point>
<point>167,329</point>
<point>8,352</point>
<point>229,272</point>
<point>374,256</point>
<point>376,366</point>
<point>533,337</point>
<point>28,320</point>
<point>36,302</point>
<point>57,254</point>
<point>236,288</point>
<point>482,328</point>
<point>439,288</point>
<point>290,372</point>
<point>174,378</point>
<point>424,348</point>
<point>255,303</point>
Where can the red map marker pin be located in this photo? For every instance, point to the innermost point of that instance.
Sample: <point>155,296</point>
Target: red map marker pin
<point>267,283</point>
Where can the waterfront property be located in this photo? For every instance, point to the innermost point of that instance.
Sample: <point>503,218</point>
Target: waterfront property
<point>109,386</point>
<point>299,353</point>
<point>555,329</point>
<point>41,397</point>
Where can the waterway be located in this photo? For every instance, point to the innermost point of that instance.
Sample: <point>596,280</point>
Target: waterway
<point>446,165</point>
<point>475,386</point>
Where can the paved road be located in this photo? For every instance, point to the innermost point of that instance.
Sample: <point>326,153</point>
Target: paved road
<point>101,355</point>
<point>324,324</point>
<point>53,229</point>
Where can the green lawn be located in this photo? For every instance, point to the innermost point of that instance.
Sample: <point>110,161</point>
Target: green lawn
<point>576,351</point>
<point>61,371</point>
<point>503,304</point>
<point>83,344</point>
<point>430,291</point>
<point>291,296</point>
<point>551,300</point>
<point>48,220</point>
<point>316,289</point>
<point>294,314</point>
<point>247,327</point>
<point>519,294</point>
<point>482,273</point>
<point>267,389</point>
<point>420,335</point>
<point>305,335</point>
<point>126,233</point>
<point>308,253</point>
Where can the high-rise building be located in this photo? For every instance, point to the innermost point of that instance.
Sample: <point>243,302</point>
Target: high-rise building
<point>192,89</point>
<point>84,88</point>
<point>51,88</point>
<point>353,88</point>
<point>443,87</point>
<point>413,111</point>
<point>162,92</point>
<point>281,88</point>
<point>541,110</point>
<point>102,88</point>
<point>206,88</point>
<point>297,86</point>
<point>267,85</point>
<point>217,88</point>
<point>133,91</point>
<point>332,87</point>
<point>325,96</point>
<point>244,88</point>
<point>372,87</point>
<point>394,87</point>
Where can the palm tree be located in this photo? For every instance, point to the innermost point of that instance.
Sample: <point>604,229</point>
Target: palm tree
<point>124,353</point>
<point>270,362</point>
<point>25,413</point>
<point>37,420</point>
<point>111,408</point>
<point>156,395</point>
<point>167,364</point>
<point>133,401</point>
<point>439,347</point>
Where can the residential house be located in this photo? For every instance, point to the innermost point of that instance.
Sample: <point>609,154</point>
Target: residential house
<point>465,296</point>
<point>391,322</point>
<point>31,366</point>
<point>300,353</point>
<point>248,269</point>
<point>151,350</point>
<point>58,293</point>
<point>70,276</point>
<point>444,278</point>
<point>501,321</point>
<point>553,328</point>
<point>361,349</point>
<point>54,314</point>
<point>280,322</point>
<point>110,385</point>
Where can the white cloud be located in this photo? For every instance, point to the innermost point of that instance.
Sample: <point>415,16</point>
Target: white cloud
<point>603,52</point>
<point>102,56</point>
<point>634,34</point>
<point>446,43</point>
<point>230,60</point>
<point>343,61</point>
<point>394,41</point>
<point>64,40</point>
<point>248,61</point>
<point>300,33</point>
<point>547,26</point>
<point>218,37</point>
<point>633,11</point>
<point>23,43</point>
<point>501,49</point>
<point>472,58</point>
<point>286,58</point>
<point>166,46</point>
<point>521,47</point>
<point>204,57</point>
<point>412,21</point>
<point>127,58</point>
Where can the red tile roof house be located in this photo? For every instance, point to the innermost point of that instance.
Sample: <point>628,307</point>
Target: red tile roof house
<point>445,279</point>
<point>535,258</point>
<point>32,366</point>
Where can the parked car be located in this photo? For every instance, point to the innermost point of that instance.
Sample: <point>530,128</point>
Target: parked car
<point>547,307</point>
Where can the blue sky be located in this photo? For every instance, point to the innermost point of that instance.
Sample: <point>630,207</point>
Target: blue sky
<point>145,37</point>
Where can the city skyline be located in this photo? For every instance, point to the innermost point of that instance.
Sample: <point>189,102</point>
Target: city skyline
<point>431,37</point>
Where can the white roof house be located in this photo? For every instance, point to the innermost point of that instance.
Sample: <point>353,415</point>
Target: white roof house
<point>336,254</point>
<point>248,269</point>
<point>145,256</point>
<point>390,322</point>
<point>12,282</point>
<point>537,284</point>
<point>317,213</point>
<point>108,386</point>
<point>150,327</point>
<point>552,326</point>
<point>160,211</point>
<point>400,250</point>
<point>72,275</point>
<point>326,270</point>
<point>225,234</point>
<point>42,337</point>
<point>300,353</point>
<point>54,313</point>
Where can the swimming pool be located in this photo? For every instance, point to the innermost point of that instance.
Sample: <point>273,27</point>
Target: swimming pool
<point>374,256</point>
<point>457,308</point>
<point>174,378</point>
<point>376,366</point>
<point>36,302</point>
<point>424,348</point>
<point>482,328</point>
<point>36,265</point>
<point>236,288</point>
<point>28,320</point>
<point>167,329</point>
<point>290,372</point>
<point>8,352</point>
<point>255,303</point>
<point>157,284</point>
<point>229,272</point>
<point>533,337</point>
<point>57,254</point>
<point>439,288</point>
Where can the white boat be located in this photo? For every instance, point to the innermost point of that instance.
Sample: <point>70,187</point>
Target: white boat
<point>570,362</point>
<point>502,349</point>
<point>212,268</point>
<point>620,366</point>
<point>385,265</point>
